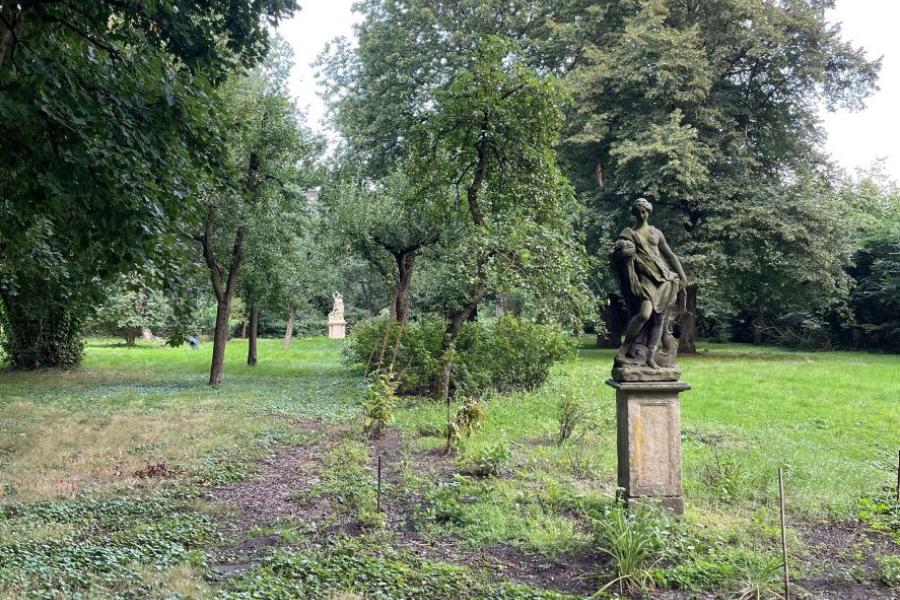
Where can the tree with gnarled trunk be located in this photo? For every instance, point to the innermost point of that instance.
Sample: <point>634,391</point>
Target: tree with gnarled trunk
<point>389,223</point>
<point>267,152</point>
<point>491,137</point>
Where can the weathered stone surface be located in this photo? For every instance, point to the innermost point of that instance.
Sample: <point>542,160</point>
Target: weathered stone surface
<point>337,326</point>
<point>635,373</point>
<point>652,282</point>
<point>648,424</point>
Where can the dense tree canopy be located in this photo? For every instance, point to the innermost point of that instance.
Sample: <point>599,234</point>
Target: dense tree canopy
<point>105,114</point>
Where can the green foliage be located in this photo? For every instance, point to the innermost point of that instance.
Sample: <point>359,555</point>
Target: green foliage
<point>378,404</point>
<point>889,570</point>
<point>371,343</point>
<point>760,580</point>
<point>634,539</point>
<point>349,566</point>
<point>485,461</point>
<point>129,308</point>
<point>875,301</point>
<point>347,481</point>
<point>442,503</point>
<point>881,512</point>
<point>469,417</point>
<point>572,411</point>
<point>95,545</point>
<point>509,353</point>
<point>98,100</point>
<point>505,354</point>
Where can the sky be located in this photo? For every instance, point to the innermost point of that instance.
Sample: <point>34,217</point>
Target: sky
<point>855,139</point>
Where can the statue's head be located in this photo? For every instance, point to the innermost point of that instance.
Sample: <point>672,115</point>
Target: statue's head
<point>641,206</point>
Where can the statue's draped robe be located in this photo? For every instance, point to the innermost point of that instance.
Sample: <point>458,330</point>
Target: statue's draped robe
<point>648,276</point>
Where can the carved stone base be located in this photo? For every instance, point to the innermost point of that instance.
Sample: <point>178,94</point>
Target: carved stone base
<point>337,330</point>
<point>645,373</point>
<point>648,432</point>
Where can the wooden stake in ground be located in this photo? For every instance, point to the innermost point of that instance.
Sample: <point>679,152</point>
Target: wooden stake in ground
<point>787,593</point>
<point>898,477</point>
<point>378,499</point>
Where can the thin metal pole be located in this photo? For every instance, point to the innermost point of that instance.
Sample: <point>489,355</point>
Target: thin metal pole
<point>787,592</point>
<point>378,499</point>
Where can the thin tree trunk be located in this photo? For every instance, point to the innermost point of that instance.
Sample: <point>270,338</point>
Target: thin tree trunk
<point>615,317</point>
<point>253,331</point>
<point>456,324</point>
<point>220,338</point>
<point>244,326</point>
<point>687,343</point>
<point>758,329</point>
<point>289,328</point>
<point>405,264</point>
<point>223,290</point>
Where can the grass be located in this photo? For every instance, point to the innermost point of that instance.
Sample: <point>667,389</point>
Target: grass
<point>73,447</point>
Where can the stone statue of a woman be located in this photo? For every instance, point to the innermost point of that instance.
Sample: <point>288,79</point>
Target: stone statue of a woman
<point>653,284</point>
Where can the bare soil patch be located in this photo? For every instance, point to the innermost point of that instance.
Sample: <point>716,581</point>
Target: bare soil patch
<point>844,556</point>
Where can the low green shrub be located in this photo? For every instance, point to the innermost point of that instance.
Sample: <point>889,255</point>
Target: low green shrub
<point>505,354</point>
<point>509,354</point>
<point>371,345</point>
<point>489,461</point>
<point>470,417</point>
<point>378,405</point>
<point>572,411</point>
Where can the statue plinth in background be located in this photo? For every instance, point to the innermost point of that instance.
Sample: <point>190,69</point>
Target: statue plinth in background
<point>337,326</point>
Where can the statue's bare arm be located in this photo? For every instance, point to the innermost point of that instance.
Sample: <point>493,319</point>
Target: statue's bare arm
<point>671,258</point>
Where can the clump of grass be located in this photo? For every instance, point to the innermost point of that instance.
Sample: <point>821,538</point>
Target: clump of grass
<point>634,540</point>
<point>759,579</point>
<point>347,482</point>
<point>571,412</point>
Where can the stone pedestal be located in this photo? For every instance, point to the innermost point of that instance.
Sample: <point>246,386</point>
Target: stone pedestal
<point>648,427</point>
<point>337,329</point>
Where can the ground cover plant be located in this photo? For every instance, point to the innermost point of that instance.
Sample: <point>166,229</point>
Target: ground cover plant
<point>131,478</point>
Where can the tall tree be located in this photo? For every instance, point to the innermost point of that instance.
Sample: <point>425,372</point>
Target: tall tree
<point>262,180</point>
<point>104,125</point>
<point>699,104</point>
<point>491,137</point>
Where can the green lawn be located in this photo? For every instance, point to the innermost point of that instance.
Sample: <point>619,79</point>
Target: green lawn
<point>78,518</point>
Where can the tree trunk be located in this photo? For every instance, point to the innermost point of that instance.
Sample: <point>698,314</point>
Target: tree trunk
<point>687,343</point>
<point>130,336</point>
<point>405,264</point>
<point>244,328</point>
<point>615,317</point>
<point>147,335</point>
<point>289,328</point>
<point>220,338</point>
<point>224,291</point>
<point>456,324</point>
<point>253,330</point>
<point>759,326</point>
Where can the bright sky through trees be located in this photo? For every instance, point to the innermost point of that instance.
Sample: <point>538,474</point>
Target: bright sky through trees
<point>856,140</point>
